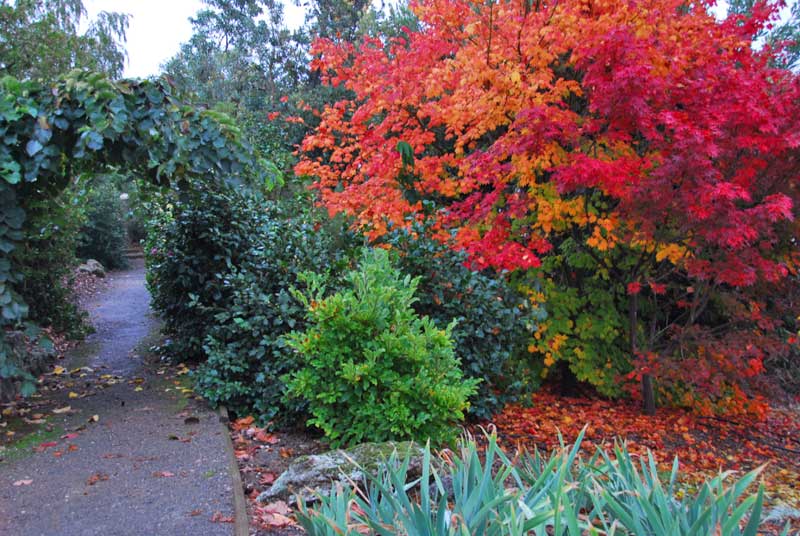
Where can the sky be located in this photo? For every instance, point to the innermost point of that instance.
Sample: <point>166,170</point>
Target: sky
<point>158,27</point>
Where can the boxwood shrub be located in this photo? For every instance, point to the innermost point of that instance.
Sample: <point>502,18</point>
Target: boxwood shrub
<point>493,321</point>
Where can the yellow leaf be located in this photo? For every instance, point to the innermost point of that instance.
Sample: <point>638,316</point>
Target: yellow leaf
<point>58,371</point>
<point>73,395</point>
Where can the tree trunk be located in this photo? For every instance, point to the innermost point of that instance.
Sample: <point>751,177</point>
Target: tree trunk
<point>648,395</point>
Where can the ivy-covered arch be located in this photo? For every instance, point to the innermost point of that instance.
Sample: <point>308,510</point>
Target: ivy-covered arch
<point>85,123</point>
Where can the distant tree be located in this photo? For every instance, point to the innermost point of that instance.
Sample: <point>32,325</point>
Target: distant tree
<point>784,36</point>
<point>243,59</point>
<point>41,39</point>
<point>240,52</point>
<point>336,19</point>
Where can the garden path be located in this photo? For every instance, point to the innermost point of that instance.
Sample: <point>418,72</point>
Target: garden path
<point>152,462</point>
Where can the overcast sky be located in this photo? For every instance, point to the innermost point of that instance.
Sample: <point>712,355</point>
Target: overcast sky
<point>158,27</point>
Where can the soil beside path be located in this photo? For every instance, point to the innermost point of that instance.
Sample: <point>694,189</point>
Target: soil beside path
<point>152,462</point>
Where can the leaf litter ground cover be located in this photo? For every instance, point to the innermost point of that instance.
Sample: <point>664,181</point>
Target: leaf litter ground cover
<point>262,457</point>
<point>704,445</point>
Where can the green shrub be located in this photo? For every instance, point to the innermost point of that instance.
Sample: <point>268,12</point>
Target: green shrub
<point>45,260</point>
<point>103,235</point>
<point>562,495</point>
<point>372,368</point>
<point>493,320</point>
<point>193,244</point>
<point>247,355</point>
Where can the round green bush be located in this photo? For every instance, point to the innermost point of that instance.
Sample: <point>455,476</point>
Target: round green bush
<point>372,368</point>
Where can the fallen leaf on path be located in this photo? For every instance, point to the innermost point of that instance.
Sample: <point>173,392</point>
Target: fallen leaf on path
<point>286,453</point>
<point>23,482</point>
<point>244,422</point>
<point>62,410</point>
<point>267,479</point>
<point>194,513</point>
<point>71,435</point>
<point>277,507</point>
<point>217,517</point>
<point>58,371</point>
<point>163,474</point>
<point>57,454</point>
<point>97,477</point>
<point>72,448</point>
<point>264,437</point>
<point>274,514</point>
<point>47,444</point>
<point>94,418</point>
<point>73,395</point>
<point>33,421</point>
<point>138,389</point>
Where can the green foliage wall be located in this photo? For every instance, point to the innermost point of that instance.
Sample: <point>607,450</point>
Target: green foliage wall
<point>247,354</point>
<point>45,260</point>
<point>493,321</point>
<point>192,248</point>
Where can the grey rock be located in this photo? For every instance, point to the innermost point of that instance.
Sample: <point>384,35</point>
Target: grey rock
<point>93,267</point>
<point>319,472</point>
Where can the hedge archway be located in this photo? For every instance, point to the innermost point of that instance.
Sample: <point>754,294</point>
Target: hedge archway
<point>87,123</point>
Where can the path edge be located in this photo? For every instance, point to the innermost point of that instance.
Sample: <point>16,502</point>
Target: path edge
<point>240,518</point>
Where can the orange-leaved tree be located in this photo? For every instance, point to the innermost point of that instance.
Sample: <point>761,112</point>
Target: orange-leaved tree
<point>635,161</point>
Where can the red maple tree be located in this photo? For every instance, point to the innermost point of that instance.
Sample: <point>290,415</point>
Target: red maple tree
<point>645,141</point>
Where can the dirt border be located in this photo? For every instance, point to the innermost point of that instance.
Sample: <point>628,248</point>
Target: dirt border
<point>240,517</point>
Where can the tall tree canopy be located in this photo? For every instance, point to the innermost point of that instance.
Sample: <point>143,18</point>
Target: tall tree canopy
<point>41,39</point>
<point>639,160</point>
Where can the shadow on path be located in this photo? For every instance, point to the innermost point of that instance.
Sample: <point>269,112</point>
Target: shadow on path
<point>152,462</point>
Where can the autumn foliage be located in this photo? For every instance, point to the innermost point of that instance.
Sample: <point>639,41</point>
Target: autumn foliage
<point>634,163</point>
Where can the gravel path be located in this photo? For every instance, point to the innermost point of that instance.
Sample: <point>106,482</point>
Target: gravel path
<point>153,462</point>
